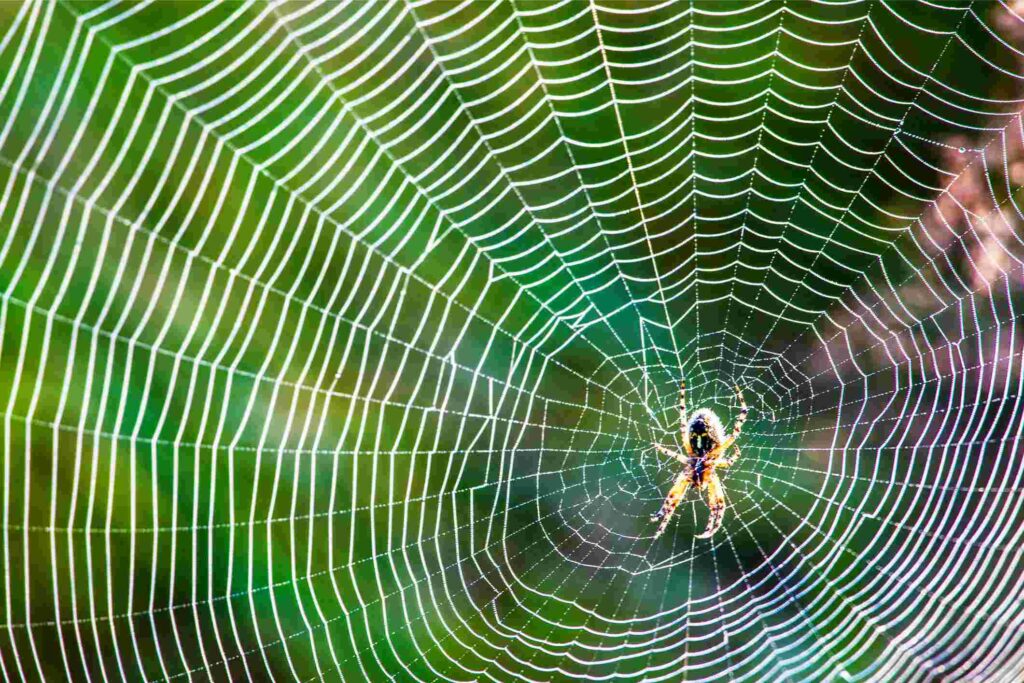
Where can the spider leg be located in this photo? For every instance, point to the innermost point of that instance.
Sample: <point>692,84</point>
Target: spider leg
<point>737,428</point>
<point>716,501</point>
<point>716,453</point>
<point>729,461</point>
<point>675,495</point>
<point>743,414</point>
<point>670,453</point>
<point>682,405</point>
<point>682,418</point>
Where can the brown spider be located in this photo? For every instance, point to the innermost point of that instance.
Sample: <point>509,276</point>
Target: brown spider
<point>705,443</point>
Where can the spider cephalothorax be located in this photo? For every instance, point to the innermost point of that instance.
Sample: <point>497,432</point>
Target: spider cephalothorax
<point>706,445</point>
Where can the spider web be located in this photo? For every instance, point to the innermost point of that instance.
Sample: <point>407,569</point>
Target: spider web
<point>336,337</point>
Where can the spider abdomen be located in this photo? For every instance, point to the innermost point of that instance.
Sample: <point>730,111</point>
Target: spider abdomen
<point>704,432</point>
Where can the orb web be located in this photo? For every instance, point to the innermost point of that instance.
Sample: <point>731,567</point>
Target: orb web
<point>337,337</point>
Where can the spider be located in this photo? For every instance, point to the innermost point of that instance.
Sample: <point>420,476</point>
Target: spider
<point>706,447</point>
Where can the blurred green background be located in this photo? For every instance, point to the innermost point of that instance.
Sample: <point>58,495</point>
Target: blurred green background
<point>336,337</point>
